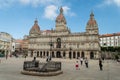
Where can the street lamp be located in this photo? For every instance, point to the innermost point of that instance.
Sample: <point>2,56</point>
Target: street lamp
<point>51,44</point>
<point>70,52</point>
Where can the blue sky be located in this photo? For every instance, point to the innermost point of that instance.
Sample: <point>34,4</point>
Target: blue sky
<point>17,16</point>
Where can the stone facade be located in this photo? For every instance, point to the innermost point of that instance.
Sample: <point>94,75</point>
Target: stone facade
<point>5,43</point>
<point>61,43</point>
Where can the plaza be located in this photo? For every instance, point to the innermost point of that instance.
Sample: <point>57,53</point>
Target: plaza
<point>11,68</point>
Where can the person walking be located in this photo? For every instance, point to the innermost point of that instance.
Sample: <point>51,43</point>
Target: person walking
<point>86,62</point>
<point>6,56</point>
<point>81,61</point>
<point>100,64</point>
<point>34,59</point>
<point>77,65</point>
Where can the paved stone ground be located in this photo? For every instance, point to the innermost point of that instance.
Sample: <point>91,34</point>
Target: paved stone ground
<point>10,70</point>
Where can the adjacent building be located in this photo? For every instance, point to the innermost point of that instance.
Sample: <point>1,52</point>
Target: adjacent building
<point>5,43</point>
<point>110,40</point>
<point>62,43</point>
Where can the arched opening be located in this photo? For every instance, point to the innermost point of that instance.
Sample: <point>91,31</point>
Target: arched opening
<point>58,55</point>
<point>37,53</point>
<point>83,55</point>
<point>53,54</point>
<point>70,55</point>
<point>78,55</point>
<point>44,54</point>
<point>91,55</point>
<point>47,53</point>
<point>74,54</point>
<point>64,54</point>
<point>58,43</point>
<point>41,54</point>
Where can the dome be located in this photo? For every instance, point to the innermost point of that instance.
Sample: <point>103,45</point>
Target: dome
<point>35,28</point>
<point>92,21</point>
<point>60,17</point>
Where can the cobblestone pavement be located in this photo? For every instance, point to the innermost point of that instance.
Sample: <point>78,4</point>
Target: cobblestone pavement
<point>10,70</point>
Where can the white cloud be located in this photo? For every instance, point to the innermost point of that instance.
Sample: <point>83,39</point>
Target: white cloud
<point>110,2</point>
<point>51,6</point>
<point>25,2</point>
<point>50,12</point>
<point>68,11</point>
<point>36,3</point>
<point>117,2</point>
<point>6,3</point>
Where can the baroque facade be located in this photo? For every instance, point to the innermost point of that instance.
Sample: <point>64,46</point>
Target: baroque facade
<point>61,43</point>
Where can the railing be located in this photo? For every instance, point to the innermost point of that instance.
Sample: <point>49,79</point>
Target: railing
<point>41,67</point>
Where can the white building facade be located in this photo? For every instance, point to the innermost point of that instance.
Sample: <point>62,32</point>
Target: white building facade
<point>110,40</point>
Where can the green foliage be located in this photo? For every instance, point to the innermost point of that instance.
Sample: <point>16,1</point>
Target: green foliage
<point>110,49</point>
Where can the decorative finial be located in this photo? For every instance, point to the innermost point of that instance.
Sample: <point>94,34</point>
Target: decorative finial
<point>36,21</point>
<point>61,10</point>
<point>92,15</point>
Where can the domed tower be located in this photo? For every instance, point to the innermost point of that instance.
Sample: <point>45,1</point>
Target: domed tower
<point>61,22</point>
<point>35,30</point>
<point>92,27</point>
<point>93,37</point>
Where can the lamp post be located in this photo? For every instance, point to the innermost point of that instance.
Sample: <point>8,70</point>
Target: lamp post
<point>51,44</point>
<point>70,53</point>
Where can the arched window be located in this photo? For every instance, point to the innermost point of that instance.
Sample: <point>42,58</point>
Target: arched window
<point>58,43</point>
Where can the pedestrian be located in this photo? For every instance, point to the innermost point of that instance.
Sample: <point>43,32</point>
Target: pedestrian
<point>6,56</point>
<point>50,58</point>
<point>47,59</point>
<point>34,59</point>
<point>81,61</point>
<point>77,65</point>
<point>86,62</point>
<point>100,64</point>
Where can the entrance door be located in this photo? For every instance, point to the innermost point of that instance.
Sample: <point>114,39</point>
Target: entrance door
<point>37,53</point>
<point>83,55</point>
<point>47,53</point>
<point>53,54</point>
<point>74,54</point>
<point>41,54</point>
<point>70,55</point>
<point>78,55</point>
<point>64,54</point>
<point>91,55</point>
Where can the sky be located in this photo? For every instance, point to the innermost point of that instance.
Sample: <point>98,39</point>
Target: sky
<point>18,16</point>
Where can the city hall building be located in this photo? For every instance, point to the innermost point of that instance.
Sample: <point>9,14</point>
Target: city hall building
<point>61,43</point>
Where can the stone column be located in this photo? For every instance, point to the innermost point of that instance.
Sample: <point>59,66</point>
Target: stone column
<point>87,54</point>
<point>67,54</point>
<point>55,53</point>
<point>34,53</point>
<point>62,54</point>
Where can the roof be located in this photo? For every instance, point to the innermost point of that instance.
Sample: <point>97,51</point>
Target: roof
<point>110,35</point>
<point>35,28</point>
<point>18,41</point>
